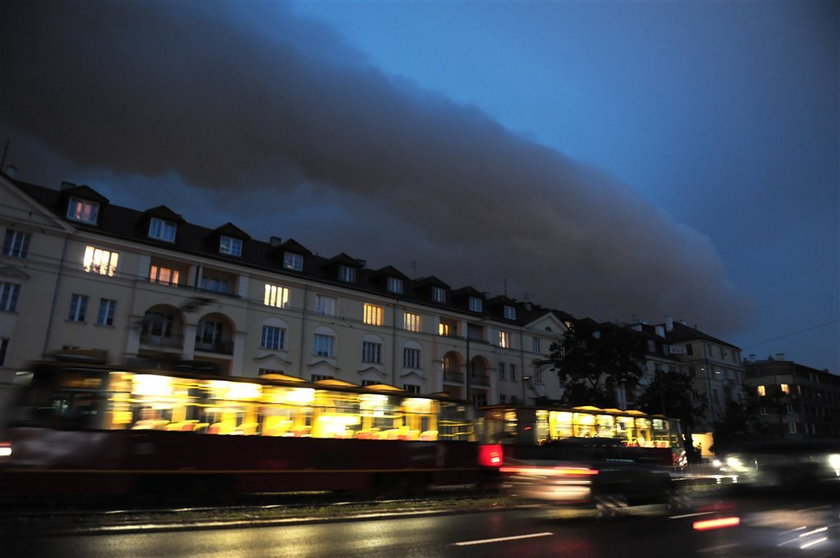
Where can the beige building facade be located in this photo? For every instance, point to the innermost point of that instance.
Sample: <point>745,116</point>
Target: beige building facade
<point>80,276</point>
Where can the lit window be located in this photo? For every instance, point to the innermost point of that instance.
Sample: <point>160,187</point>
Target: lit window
<point>504,339</point>
<point>448,327</point>
<point>762,391</point>
<point>78,306</point>
<point>9,293</point>
<point>293,261</point>
<point>371,352</point>
<point>323,345</point>
<point>373,315</point>
<point>99,261</point>
<point>395,285</point>
<point>475,304</point>
<point>411,357</point>
<point>83,211</point>
<point>536,346</point>
<point>164,275</point>
<point>439,294</point>
<point>412,321</point>
<point>162,230</point>
<point>325,305</point>
<point>16,243</point>
<point>785,388</point>
<point>510,312</point>
<point>276,296</point>
<point>230,246</point>
<point>106,312</point>
<point>273,338</point>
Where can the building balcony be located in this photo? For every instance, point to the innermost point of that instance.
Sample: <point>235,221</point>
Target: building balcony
<point>453,377</point>
<point>480,379</point>
<point>162,341</point>
<point>218,347</point>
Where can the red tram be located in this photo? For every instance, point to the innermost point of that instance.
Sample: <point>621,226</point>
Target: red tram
<point>96,430</point>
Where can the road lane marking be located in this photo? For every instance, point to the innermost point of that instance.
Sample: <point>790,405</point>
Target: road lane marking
<point>502,539</point>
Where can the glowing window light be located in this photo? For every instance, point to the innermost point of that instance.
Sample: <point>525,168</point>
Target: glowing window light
<point>418,405</point>
<point>152,385</point>
<point>100,261</point>
<point>276,296</point>
<point>298,396</point>
<point>373,314</point>
<point>235,390</point>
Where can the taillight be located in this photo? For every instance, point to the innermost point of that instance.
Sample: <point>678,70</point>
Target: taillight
<point>5,449</point>
<point>490,455</point>
<point>718,523</point>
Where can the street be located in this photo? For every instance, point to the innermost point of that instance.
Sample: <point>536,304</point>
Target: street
<point>765,530</point>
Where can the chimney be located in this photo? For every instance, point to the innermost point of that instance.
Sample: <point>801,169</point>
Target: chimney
<point>669,324</point>
<point>779,356</point>
<point>275,241</point>
<point>66,185</point>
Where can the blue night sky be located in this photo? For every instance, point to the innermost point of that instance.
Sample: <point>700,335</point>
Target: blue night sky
<point>621,161</point>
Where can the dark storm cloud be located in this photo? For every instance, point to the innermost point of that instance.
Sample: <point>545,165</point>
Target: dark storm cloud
<point>262,101</point>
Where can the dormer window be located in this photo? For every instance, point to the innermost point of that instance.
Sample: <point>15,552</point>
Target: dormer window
<point>161,229</point>
<point>230,246</point>
<point>82,211</point>
<point>475,304</point>
<point>293,261</point>
<point>395,285</point>
<point>346,274</point>
<point>439,294</point>
<point>510,312</point>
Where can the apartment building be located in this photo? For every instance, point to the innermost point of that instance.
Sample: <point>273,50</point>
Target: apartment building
<point>795,401</point>
<point>82,276</point>
<point>714,364</point>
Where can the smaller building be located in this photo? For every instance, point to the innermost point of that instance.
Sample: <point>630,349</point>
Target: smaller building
<point>795,402</point>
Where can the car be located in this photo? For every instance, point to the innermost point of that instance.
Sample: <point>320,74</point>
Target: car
<point>601,474</point>
<point>785,464</point>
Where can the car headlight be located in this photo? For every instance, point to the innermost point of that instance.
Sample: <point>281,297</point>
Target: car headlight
<point>734,463</point>
<point>834,463</point>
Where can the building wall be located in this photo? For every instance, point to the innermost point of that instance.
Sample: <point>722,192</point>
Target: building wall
<point>795,401</point>
<point>53,272</point>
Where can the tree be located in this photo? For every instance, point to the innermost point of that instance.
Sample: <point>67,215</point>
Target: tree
<point>741,422</point>
<point>594,359</point>
<point>673,394</point>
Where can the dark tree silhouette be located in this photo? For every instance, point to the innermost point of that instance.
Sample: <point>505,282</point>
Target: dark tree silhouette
<point>593,359</point>
<point>673,394</point>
